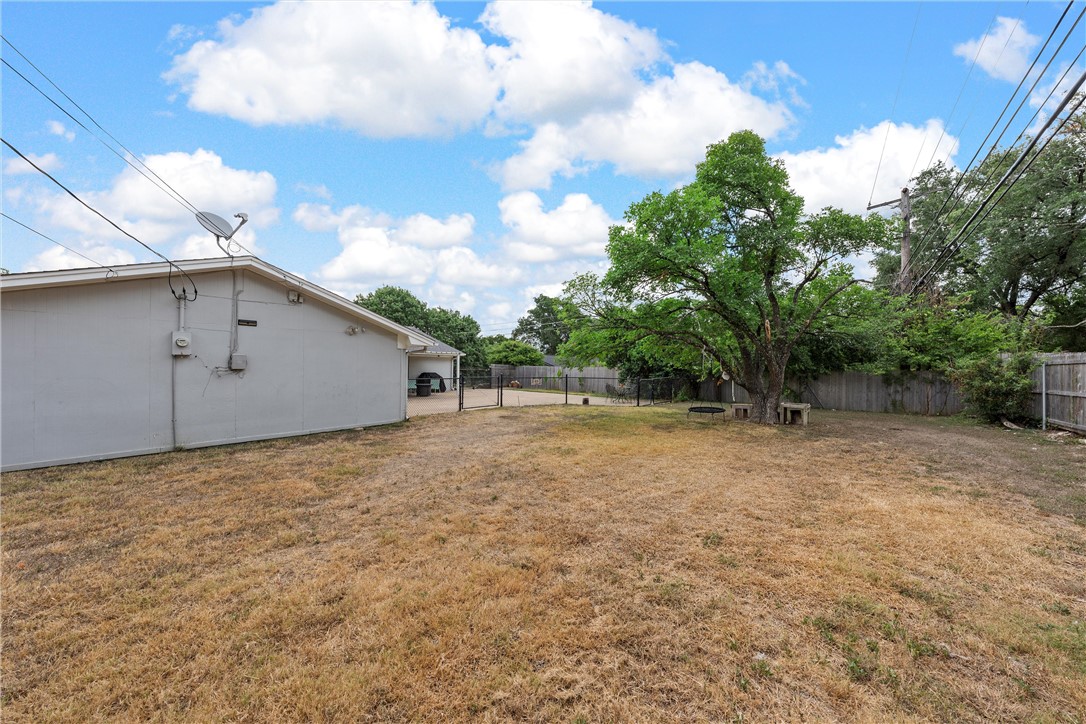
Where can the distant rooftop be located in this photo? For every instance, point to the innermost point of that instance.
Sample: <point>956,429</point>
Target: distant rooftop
<point>439,348</point>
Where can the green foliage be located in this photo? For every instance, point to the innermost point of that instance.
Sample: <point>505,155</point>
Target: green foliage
<point>457,330</point>
<point>996,388</point>
<point>1028,255</point>
<point>397,304</point>
<point>449,326</point>
<point>543,326</point>
<point>1065,328</point>
<point>726,268</point>
<point>943,336</point>
<point>513,352</point>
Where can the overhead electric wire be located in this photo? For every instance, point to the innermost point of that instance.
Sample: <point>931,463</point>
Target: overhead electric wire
<point>63,246</point>
<point>951,248</point>
<point>897,96</point>
<point>961,92</point>
<point>1016,179</point>
<point>172,265</point>
<point>161,182</point>
<point>1025,76</point>
<point>127,159</point>
<point>951,195</point>
<point>172,191</point>
<point>1010,149</point>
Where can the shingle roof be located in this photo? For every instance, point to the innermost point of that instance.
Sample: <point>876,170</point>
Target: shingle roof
<point>439,349</point>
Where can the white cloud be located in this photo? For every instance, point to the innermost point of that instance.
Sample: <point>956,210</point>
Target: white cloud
<point>158,220</point>
<point>842,175</point>
<point>426,231</point>
<point>576,228</point>
<point>319,190</point>
<point>370,257</point>
<point>460,265</point>
<point>1048,96</point>
<point>778,79</point>
<point>663,132</point>
<point>590,87</point>
<point>1004,52</point>
<point>17,166</point>
<point>57,128</point>
<point>386,69</point>
<point>565,59</point>
<point>448,296</point>
<point>56,257</point>
<point>378,249</point>
<point>416,230</point>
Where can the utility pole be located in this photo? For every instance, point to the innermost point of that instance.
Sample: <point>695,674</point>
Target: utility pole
<point>905,205</point>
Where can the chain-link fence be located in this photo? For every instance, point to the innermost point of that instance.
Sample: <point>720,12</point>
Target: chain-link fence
<point>431,394</point>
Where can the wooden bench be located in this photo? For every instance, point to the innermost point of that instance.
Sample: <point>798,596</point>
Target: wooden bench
<point>790,413</point>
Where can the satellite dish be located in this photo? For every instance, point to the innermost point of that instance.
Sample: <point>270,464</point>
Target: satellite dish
<point>220,227</point>
<point>216,224</point>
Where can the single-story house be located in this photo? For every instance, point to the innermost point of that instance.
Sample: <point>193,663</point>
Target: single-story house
<point>437,359</point>
<point>145,358</point>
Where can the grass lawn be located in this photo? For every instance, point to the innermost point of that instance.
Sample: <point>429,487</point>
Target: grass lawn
<point>557,564</point>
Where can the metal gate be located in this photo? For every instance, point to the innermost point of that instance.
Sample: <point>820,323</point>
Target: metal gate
<point>480,391</point>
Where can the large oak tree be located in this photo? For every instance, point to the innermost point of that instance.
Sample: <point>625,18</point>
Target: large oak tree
<point>728,267</point>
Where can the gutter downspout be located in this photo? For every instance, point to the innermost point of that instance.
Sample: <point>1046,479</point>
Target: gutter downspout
<point>181,304</point>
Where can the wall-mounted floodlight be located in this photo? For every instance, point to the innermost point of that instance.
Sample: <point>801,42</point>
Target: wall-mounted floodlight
<point>220,227</point>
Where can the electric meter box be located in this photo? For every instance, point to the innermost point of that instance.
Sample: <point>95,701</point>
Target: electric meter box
<point>182,344</point>
<point>238,362</point>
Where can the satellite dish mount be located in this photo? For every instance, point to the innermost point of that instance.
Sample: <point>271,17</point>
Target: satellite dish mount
<point>220,227</point>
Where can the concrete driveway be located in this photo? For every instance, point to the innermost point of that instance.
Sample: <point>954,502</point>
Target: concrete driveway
<point>512,397</point>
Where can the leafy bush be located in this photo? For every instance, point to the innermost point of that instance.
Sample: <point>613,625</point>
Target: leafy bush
<point>996,388</point>
<point>512,352</point>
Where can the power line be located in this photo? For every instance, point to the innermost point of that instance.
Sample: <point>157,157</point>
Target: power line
<point>897,95</point>
<point>961,91</point>
<point>175,193</point>
<point>143,169</point>
<point>950,249</point>
<point>1021,134</point>
<point>1016,179</point>
<point>118,154</point>
<point>172,265</point>
<point>951,195</point>
<point>49,238</point>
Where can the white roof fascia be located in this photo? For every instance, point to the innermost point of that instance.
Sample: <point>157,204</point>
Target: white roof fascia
<point>98,275</point>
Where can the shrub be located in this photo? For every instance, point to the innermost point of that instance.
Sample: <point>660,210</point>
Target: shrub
<point>996,388</point>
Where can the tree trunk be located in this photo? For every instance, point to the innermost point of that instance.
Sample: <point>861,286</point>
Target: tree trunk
<point>763,407</point>
<point>765,387</point>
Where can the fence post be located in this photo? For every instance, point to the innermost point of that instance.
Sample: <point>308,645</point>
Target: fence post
<point>501,391</point>
<point>461,395</point>
<point>1044,396</point>
<point>639,392</point>
<point>565,380</point>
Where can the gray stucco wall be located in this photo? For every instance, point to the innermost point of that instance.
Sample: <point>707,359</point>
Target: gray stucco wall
<point>86,370</point>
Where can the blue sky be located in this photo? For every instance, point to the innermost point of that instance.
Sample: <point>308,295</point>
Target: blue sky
<point>475,153</point>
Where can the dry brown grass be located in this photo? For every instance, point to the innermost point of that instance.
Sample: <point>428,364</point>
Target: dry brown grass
<point>557,564</point>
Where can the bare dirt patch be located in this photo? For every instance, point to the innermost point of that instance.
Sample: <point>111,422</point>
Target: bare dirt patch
<point>557,564</point>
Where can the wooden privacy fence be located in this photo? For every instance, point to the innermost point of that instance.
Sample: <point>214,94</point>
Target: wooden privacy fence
<point>919,393</point>
<point>591,380</point>
<point>1059,391</point>
<point>922,393</point>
